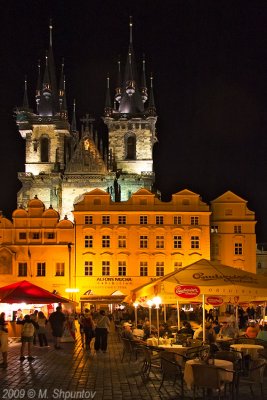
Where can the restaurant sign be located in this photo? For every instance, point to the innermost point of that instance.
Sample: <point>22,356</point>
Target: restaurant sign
<point>215,300</point>
<point>187,291</point>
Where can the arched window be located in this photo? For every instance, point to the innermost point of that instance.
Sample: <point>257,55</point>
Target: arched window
<point>130,148</point>
<point>44,149</point>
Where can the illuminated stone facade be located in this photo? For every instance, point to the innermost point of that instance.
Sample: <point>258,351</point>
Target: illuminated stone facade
<point>233,239</point>
<point>99,226</point>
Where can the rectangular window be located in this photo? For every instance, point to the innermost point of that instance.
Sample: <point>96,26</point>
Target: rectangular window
<point>143,242</point>
<point>177,265</point>
<point>177,220</point>
<point>22,269</point>
<point>88,268</point>
<point>214,229</point>
<point>177,242</point>
<point>105,219</point>
<point>160,268</point>
<point>143,268</point>
<point>36,235</point>
<point>228,211</point>
<point>88,219</point>
<point>194,242</point>
<point>121,241</point>
<point>50,235</point>
<point>194,220</point>
<point>237,229</point>
<point>22,236</point>
<point>122,268</point>
<point>105,241</point>
<point>160,242</point>
<point>143,219</point>
<point>41,269</point>
<point>238,248</point>
<point>88,241</point>
<point>105,268</point>
<point>122,219</point>
<point>159,219</point>
<point>214,249</point>
<point>60,269</point>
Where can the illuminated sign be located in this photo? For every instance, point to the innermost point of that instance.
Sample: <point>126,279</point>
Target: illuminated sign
<point>187,291</point>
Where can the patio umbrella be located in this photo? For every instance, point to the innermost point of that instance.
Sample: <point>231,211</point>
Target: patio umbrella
<point>205,279</point>
<point>26,292</point>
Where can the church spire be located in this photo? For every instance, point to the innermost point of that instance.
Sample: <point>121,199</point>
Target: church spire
<point>143,81</point>
<point>131,100</point>
<point>25,97</point>
<point>51,69</point>
<point>151,104</point>
<point>73,122</point>
<point>118,89</point>
<point>108,107</point>
<point>38,87</point>
<point>62,93</point>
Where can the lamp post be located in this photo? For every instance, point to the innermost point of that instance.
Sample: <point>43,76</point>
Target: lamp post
<point>157,302</point>
<point>150,304</point>
<point>135,312</point>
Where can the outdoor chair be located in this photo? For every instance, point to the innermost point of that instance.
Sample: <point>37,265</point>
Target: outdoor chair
<point>130,349</point>
<point>234,356</point>
<point>226,344</point>
<point>255,377</point>
<point>194,342</point>
<point>151,360</point>
<point>263,353</point>
<point>245,340</point>
<point>171,370</point>
<point>208,378</point>
<point>197,352</point>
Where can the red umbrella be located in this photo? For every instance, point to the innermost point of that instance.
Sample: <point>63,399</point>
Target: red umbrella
<point>26,292</point>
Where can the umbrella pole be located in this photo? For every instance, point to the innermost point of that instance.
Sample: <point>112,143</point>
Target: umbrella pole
<point>263,311</point>
<point>178,315</point>
<point>165,318</point>
<point>236,315</point>
<point>203,317</point>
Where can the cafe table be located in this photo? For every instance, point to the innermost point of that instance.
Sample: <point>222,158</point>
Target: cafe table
<point>226,376</point>
<point>223,338</point>
<point>248,349</point>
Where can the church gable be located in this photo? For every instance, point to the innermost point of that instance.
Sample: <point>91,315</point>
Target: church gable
<point>86,159</point>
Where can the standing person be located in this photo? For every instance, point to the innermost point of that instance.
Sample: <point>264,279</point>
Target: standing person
<point>80,321</point>
<point>34,317</point>
<point>101,332</point>
<point>41,330</point>
<point>57,320</point>
<point>3,339</point>
<point>89,328</point>
<point>27,333</point>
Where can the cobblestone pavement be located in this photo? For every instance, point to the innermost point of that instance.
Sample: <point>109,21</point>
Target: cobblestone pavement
<point>74,373</point>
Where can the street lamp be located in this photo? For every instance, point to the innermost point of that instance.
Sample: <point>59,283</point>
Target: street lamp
<point>135,312</point>
<point>150,304</point>
<point>157,302</point>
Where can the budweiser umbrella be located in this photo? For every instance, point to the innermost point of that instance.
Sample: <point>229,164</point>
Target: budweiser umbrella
<point>26,292</point>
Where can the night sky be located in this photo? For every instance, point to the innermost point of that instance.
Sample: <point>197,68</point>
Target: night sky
<point>209,61</point>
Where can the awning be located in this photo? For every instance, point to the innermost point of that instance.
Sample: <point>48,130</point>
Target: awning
<point>26,292</point>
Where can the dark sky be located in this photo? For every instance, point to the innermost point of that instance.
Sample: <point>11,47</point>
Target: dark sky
<point>209,60</point>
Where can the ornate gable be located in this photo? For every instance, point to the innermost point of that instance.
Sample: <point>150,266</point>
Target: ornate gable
<point>86,159</point>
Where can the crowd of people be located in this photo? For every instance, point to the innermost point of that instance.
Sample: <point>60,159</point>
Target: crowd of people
<point>96,325</point>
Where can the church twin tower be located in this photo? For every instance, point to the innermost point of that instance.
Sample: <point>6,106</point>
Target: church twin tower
<point>62,164</point>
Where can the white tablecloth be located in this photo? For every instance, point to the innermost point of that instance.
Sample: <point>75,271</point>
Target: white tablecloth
<point>225,376</point>
<point>248,349</point>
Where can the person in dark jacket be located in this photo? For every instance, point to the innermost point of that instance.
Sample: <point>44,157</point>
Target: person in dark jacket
<point>57,320</point>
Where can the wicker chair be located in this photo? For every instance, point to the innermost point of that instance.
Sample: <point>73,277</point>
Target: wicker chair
<point>255,376</point>
<point>171,370</point>
<point>151,360</point>
<point>207,378</point>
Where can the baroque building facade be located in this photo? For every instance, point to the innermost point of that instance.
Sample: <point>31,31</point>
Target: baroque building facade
<point>97,224</point>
